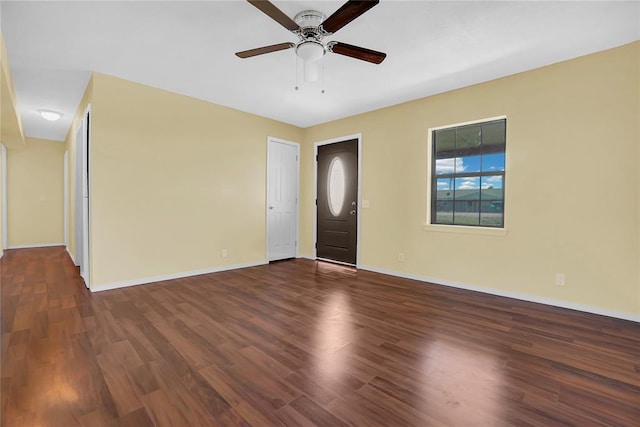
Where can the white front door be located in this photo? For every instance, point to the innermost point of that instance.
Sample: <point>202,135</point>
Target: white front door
<point>282,199</point>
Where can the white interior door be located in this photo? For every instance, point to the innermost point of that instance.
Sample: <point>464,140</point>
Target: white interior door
<point>282,199</point>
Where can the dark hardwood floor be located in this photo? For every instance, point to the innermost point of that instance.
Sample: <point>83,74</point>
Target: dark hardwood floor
<point>301,343</point>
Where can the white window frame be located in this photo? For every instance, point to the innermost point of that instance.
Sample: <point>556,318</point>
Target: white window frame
<point>446,228</point>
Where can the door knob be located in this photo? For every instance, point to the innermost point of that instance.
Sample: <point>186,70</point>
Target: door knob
<point>270,207</point>
<point>353,212</point>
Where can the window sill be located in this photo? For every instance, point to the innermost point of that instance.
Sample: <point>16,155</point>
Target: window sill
<point>485,231</point>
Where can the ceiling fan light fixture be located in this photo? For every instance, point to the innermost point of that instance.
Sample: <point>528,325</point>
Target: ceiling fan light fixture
<point>311,52</point>
<point>50,115</point>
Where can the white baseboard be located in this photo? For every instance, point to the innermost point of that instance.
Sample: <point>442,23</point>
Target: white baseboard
<point>146,280</point>
<point>1,253</point>
<point>306,257</point>
<point>35,245</point>
<point>71,256</point>
<point>515,295</point>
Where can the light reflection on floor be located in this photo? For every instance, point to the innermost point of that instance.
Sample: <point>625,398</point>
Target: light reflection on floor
<point>459,382</point>
<point>458,376</point>
<point>336,271</point>
<point>334,331</point>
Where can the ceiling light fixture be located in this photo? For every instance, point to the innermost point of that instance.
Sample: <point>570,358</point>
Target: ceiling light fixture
<point>310,47</point>
<point>311,52</point>
<point>50,115</point>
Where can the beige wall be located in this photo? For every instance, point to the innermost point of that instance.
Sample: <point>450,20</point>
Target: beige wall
<point>35,193</point>
<point>174,181</point>
<point>10,125</point>
<point>572,184</point>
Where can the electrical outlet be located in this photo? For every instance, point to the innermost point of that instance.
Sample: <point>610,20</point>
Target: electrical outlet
<point>560,279</point>
<point>401,257</point>
<point>225,253</point>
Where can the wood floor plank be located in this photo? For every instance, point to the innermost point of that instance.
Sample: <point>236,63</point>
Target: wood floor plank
<point>315,413</point>
<point>178,394</point>
<point>291,417</point>
<point>301,343</point>
<point>162,411</point>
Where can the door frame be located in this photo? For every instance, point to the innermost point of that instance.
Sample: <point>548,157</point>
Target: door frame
<point>82,185</point>
<point>357,136</point>
<point>66,200</point>
<point>77,193</point>
<point>3,202</point>
<point>86,175</point>
<point>266,201</point>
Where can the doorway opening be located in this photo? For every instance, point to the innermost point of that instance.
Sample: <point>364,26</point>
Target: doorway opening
<point>81,196</point>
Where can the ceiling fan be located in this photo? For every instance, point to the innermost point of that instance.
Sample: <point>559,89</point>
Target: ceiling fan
<point>312,27</point>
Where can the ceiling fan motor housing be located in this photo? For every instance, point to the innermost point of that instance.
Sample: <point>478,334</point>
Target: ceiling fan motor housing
<point>309,18</point>
<point>310,47</point>
<point>309,22</point>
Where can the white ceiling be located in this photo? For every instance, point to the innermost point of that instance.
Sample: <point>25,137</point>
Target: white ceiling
<point>188,48</point>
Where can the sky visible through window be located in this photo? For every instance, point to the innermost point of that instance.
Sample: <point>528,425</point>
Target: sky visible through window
<point>470,164</point>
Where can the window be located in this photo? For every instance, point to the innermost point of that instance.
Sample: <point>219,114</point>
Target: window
<point>467,174</point>
<point>336,186</point>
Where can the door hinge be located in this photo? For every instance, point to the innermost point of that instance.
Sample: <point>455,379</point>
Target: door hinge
<point>316,202</point>
<point>316,245</point>
<point>316,157</point>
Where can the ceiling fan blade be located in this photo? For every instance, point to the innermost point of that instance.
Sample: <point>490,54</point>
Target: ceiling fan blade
<point>357,52</point>
<point>347,13</point>
<point>276,14</point>
<point>264,49</point>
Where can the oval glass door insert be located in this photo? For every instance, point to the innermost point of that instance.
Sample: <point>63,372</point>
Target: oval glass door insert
<point>336,186</point>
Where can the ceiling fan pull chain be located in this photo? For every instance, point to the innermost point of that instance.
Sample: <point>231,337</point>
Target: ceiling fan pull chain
<point>322,71</point>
